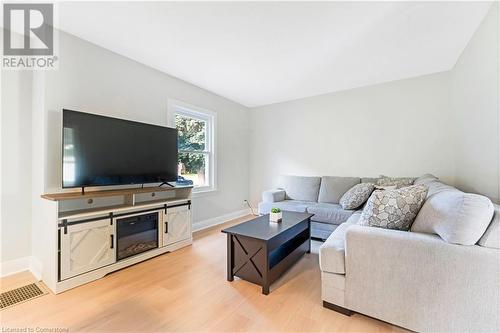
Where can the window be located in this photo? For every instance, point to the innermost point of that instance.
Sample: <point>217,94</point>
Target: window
<point>196,147</point>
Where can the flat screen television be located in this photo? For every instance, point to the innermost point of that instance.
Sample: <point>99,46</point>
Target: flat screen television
<point>100,151</point>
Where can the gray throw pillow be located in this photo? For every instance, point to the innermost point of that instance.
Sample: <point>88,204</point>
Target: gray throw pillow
<point>457,217</point>
<point>393,209</point>
<point>399,182</point>
<point>357,195</point>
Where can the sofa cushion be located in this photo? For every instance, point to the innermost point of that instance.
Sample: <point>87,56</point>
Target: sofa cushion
<point>290,205</point>
<point>393,209</point>
<point>356,196</point>
<point>329,213</point>
<point>332,251</point>
<point>333,188</point>
<point>491,237</point>
<point>300,188</point>
<point>322,230</point>
<point>457,217</point>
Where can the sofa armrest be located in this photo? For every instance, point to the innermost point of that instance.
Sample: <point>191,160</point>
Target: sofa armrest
<point>273,195</point>
<point>419,281</point>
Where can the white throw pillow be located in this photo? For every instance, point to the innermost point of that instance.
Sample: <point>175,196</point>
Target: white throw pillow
<point>457,217</point>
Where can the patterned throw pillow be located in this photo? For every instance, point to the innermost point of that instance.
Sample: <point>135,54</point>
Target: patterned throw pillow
<point>393,209</point>
<point>399,182</point>
<point>357,195</point>
<point>388,187</point>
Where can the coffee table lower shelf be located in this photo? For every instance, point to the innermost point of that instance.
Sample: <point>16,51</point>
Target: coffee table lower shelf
<point>263,261</point>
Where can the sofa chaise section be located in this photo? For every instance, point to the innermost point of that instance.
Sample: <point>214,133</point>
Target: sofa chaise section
<point>420,282</point>
<point>414,280</point>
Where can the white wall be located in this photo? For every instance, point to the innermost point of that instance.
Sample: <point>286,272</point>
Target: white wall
<point>16,165</point>
<point>475,106</point>
<point>96,80</point>
<point>400,128</point>
<point>447,124</point>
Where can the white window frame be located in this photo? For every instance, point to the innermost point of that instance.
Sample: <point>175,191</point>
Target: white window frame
<point>210,117</point>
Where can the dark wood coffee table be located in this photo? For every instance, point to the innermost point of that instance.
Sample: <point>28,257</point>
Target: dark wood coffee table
<point>260,251</point>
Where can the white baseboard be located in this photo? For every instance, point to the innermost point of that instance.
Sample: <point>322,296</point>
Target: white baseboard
<point>15,266</point>
<point>198,226</point>
<point>23,264</point>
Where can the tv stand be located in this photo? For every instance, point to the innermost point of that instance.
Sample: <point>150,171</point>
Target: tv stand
<point>79,241</point>
<point>165,183</point>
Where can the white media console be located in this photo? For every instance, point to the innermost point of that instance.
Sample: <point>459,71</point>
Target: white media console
<point>88,235</point>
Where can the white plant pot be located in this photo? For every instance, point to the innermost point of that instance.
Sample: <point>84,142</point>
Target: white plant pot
<point>275,217</point>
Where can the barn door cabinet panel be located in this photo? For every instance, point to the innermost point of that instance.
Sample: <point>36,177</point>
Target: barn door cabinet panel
<point>176,225</point>
<point>87,246</point>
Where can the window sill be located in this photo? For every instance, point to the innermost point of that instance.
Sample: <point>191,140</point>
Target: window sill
<point>204,192</point>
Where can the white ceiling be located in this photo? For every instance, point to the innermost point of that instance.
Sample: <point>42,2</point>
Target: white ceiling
<point>258,53</point>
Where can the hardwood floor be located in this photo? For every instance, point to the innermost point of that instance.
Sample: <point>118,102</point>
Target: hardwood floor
<point>187,291</point>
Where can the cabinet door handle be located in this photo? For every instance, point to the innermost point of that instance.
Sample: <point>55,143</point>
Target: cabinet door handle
<point>166,227</point>
<point>112,241</point>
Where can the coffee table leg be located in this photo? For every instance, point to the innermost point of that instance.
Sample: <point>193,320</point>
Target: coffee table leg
<point>265,272</point>
<point>309,231</point>
<point>230,265</point>
<point>265,289</point>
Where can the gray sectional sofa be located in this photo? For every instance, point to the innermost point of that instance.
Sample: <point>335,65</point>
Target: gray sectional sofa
<point>418,280</point>
<point>316,195</point>
<point>422,280</point>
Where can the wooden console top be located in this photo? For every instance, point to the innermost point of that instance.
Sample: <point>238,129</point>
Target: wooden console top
<point>107,193</point>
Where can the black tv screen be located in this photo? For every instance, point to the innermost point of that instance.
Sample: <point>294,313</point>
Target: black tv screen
<point>99,151</point>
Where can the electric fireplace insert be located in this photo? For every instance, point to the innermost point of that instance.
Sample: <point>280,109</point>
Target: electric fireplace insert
<point>136,234</point>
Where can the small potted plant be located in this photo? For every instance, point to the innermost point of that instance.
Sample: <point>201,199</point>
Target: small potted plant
<point>276,215</point>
